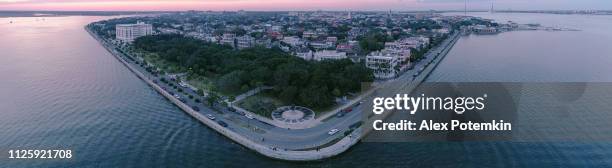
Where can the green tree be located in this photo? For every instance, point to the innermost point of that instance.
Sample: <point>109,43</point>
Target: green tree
<point>212,98</point>
<point>289,94</point>
<point>230,82</point>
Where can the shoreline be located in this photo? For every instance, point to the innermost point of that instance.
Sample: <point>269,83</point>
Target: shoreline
<point>309,155</point>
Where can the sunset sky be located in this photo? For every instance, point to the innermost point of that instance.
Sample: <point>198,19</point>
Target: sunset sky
<point>266,5</point>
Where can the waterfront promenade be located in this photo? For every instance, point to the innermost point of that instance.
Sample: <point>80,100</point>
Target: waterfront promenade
<point>312,144</point>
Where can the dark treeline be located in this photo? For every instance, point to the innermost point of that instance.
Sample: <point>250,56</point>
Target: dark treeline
<point>296,81</point>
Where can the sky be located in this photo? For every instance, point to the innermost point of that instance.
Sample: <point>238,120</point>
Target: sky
<point>285,5</point>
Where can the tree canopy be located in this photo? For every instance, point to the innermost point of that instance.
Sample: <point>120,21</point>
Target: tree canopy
<point>296,81</point>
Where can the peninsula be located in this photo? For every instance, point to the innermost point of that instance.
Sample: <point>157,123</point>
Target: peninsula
<point>288,85</point>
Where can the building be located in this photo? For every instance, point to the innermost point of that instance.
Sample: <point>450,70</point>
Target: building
<point>388,63</point>
<point>275,35</point>
<point>332,39</point>
<point>129,32</point>
<point>383,64</point>
<point>344,47</point>
<point>293,41</point>
<point>304,53</point>
<point>309,34</point>
<point>320,45</point>
<point>228,38</point>
<point>276,28</point>
<point>245,42</point>
<point>482,29</point>
<point>329,55</point>
<point>408,43</point>
<point>442,31</point>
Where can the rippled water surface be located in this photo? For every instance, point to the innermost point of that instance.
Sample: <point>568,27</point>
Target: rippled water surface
<point>61,90</point>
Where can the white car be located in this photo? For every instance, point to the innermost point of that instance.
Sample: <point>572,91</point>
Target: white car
<point>210,117</point>
<point>333,131</point>
<point>249,116</point>
<point>182,84</point>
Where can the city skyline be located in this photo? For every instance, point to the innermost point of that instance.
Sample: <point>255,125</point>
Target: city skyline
<point>283,5</point>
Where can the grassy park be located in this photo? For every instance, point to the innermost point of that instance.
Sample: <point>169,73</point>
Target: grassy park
<point>262,103</point>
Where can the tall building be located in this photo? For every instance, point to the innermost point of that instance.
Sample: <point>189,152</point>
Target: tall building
<point>129,32</point>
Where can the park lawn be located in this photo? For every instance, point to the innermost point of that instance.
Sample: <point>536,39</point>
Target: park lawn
<point>262,104</point>
<point>200,82</point>
<point>163,64</point>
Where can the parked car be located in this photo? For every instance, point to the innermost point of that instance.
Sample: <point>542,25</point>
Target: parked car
<point>333,131</point>
<point>249,116</point>
<point>195,108</point>
<point>340,114</point>
<point>348,110</point>
<point>221,123</point>
<point>210,116</point>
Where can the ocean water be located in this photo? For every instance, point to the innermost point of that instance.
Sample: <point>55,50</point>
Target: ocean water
<point>61,90</point>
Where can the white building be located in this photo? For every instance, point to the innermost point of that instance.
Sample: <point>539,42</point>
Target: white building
<point>228,38</point>
<point>276,28</point>
<point>408,43</point>
<point>309,34</point>
<point>245,42</point>
<point>332,39</point>
<point>293,41</point>
<point>320,45</point>
<point>304,53</point>
<point>383,64</point>
<point>388,63</point>
<point>329,55</point>
<point>441,31</point>
<point>129,32</point>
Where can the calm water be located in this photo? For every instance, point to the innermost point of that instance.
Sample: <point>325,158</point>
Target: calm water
<point>61,90</point>
<point>533,56</point>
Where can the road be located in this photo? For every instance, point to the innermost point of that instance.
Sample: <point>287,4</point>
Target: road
<point>286,139</point>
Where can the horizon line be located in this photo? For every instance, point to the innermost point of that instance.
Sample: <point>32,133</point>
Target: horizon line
<point>310,10</point>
